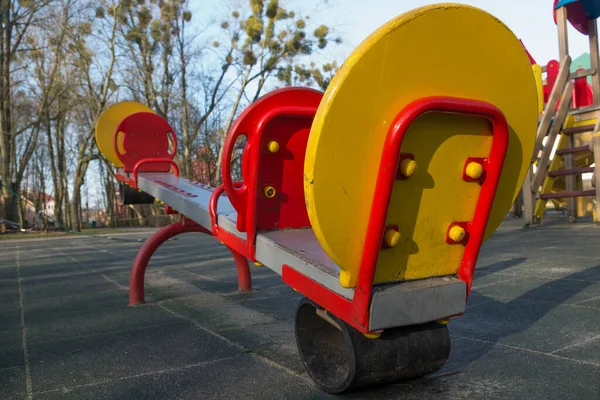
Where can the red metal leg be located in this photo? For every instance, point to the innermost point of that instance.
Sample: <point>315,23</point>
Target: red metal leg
<point>244,279</point>
<point>138,271</point>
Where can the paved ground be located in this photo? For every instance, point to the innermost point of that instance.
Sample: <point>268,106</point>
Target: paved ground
<point>531,330</point>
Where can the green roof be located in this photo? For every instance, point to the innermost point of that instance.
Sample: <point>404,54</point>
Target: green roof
<point>583,61</point>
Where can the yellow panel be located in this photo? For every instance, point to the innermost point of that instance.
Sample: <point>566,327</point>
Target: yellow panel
<point>108,122</point>
<point>537,73</point>
<point>462,52</point>
<point>438,186</point>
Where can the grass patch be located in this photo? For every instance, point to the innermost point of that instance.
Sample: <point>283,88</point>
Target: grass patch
<point>30,235</point>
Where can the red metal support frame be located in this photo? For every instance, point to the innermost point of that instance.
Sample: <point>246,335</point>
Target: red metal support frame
<point>143,161</point>
<point>356,311</point>
<point>234,243</point>
<point>255,123</point>
<point>138,271</point>
<point>255,149</point>
<point>244,197</point>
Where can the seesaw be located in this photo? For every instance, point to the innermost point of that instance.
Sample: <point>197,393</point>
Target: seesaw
<point>371,199</point>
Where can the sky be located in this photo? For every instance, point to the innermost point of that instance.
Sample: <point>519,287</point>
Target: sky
<point>353,20</point>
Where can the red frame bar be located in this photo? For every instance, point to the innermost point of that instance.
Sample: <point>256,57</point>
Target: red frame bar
<point>356,311</point>
<point>233,242</point>
<point>244,197</point>
<point>138,270</point>
<point>138,164</point>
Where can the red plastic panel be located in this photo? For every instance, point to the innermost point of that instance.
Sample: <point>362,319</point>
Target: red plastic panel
<point>582,92</point>
<point>576,15</point>
<point>283,116</point>
<point>145,135</point>
<point>552,73</point>
<point>284,172</point>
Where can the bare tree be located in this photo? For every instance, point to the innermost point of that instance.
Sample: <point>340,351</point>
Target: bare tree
<point>18,18</point>
<point>95,80</point>
<point>272,39</point>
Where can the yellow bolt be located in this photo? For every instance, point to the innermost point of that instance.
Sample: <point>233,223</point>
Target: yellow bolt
<point>270,192</point>
<point>345,277</point>
<point>391,237</point>
<point>258,264</point>
<point>372,335</point>
<point>408,167</point>
<point>456,233</point>
<point>444,321</point>
<point>474,170</point>
<point>273,146</point>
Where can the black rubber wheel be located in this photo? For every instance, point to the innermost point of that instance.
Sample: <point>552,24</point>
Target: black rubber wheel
<point>339,358</point>
<point>130,195</point>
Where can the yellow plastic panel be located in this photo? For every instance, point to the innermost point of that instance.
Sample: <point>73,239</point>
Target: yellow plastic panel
<point>462,51</point>
<point>434,197</point>
<point>108,122</point>
<point>537,72</point>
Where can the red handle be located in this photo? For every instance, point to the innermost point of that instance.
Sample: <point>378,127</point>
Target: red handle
<point>214,202</point>
<point>153,161</point>
<point>174,139</point>
<point>235,194</point>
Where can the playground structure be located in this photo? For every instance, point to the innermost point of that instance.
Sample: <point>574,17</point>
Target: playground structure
<point>371,199</point>
<point>567,136</point>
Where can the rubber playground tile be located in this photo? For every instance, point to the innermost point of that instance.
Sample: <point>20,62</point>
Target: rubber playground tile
<point>491,280</point>
<point>79,277</point>
<point>12,383</point>
<point>265,280</point>
<point>82,361</point>
<point>217,284</point>
<point>534,325</point>
<point>225,280</point>
<point>243,376</point>
<point>35,268</point>
<point>258,336</point>
<point>281,308</point>
<point>475,299</point>
<point>9,293</point>
<point>11,350</point>
<point>10,317</point>
<point>486,267</point>
<point>93,300</point>
<point>587,350</point>
<point>593,303</point>
<point>276,291</point>
<point>560,291</point>
<point>285,355</point>
<point>7,271</point>
<point>57,325</point>
<point>65,287</point>
<point>217,315</point>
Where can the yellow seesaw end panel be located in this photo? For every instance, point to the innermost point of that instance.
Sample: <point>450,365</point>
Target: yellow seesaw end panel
<point>108,122</point>
<point>437,50</point>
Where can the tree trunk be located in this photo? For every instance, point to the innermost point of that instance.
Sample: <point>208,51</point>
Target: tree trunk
<point>75,207</point>
<point>78,181</point>
<point>138,214</point>
<point>11,204</point>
